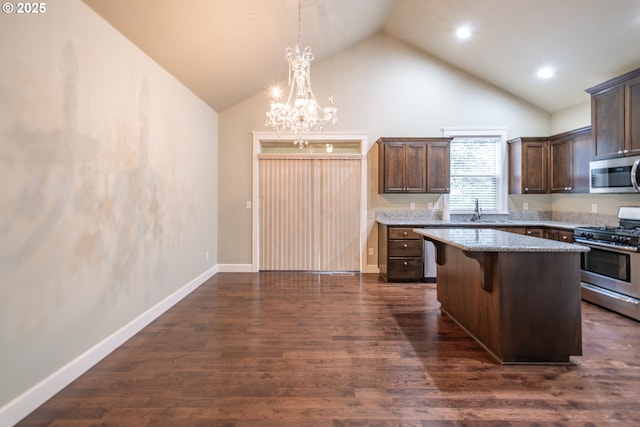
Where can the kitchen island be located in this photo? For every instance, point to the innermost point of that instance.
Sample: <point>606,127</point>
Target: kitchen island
<point>518,296</point>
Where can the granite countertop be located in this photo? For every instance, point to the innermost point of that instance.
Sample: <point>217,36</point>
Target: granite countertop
<point>488,222</point>
<point>491,240</point>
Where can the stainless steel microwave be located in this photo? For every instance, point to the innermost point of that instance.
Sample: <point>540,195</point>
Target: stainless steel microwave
<point>619,175</point>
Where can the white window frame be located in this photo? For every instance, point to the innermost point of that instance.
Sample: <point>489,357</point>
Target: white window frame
<point>503,170</point>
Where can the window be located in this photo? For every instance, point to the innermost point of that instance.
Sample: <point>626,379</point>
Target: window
<point>478,170</point>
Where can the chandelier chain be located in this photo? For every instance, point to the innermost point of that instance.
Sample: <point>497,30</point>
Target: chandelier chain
<point>300,23</point>
<point>301,113</point>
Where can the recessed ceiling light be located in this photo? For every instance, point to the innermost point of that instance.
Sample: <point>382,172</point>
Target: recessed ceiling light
<point>463,32</point>
<point>545,73</point>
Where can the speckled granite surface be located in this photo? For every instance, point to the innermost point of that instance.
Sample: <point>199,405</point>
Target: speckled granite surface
<point>566,220</point>
<point>490,240</point>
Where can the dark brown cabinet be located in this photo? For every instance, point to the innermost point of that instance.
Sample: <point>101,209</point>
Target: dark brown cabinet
<point>528,231</point>
<point>400,253</point>
<point>403,167</point>
<point>552,234</point>
<point>569,155</point>
<point>558,234</point>
<point>528,165</point>
<point>534,232</point>
<point>615,116</point>
<point>438,166</point>
<point>414,165</point>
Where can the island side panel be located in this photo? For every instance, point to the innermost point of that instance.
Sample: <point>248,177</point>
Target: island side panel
<point>462,298</point>
<point>541,312</point>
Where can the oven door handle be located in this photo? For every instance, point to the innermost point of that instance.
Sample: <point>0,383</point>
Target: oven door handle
<point>609,294</point>
<point>634,175</point>
<point>619,248</point>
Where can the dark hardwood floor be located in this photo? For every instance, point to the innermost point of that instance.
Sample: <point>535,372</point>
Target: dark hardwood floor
<point>294,350</point>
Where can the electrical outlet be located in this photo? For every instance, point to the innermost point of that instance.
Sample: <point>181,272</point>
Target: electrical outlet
<point>430,205</point>
<point>248,204</point>
<point>206,256</point>
<point>525,206</point>
<point>594,207</point>
<point>370,251</point>
<point>412,205</point>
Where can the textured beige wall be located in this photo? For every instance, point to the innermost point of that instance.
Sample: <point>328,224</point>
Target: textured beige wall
<point>383,87</point>
<point>109,194</point>
<point>572,118</point>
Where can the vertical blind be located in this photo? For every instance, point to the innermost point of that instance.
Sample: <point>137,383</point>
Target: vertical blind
<point>475,173</point>
<point>310,214</point>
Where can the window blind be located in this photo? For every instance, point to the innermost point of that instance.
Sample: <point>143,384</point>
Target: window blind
<point>475,174</point>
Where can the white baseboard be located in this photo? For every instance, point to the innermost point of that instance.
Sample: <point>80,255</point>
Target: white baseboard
<point>248,268</point>
<point>372,268</point>
<point>30,400</point>
<point>235,268</point>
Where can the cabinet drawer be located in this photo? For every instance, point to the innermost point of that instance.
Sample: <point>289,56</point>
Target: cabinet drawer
<point>405,268</point>
<point>565,236</point>
<point>403,233</point>
<point>535,232</point>
<point>405,248</point>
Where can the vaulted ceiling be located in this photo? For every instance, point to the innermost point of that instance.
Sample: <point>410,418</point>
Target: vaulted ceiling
<point>228,50</point>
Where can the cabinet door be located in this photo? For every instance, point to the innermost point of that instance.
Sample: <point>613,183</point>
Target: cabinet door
<point>394,168</point>
<point>438,167</point>
<point>415,170</point>
<point>561,153</point>
<point>607,119</point>
<point>534,167</point>
<point>535,232</point>
<point>565,236</point>
<point>632,119</point>
<point>581,149</point>
<point>551,234</point>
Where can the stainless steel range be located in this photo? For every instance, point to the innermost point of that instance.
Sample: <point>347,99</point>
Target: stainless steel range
<point>611,269</point>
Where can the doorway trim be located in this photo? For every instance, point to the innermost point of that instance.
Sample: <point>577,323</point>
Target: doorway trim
<point>335,138</point>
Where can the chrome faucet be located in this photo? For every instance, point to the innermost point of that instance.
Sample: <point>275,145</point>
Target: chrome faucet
<point>477,212</point>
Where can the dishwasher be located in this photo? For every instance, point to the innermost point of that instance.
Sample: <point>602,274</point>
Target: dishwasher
<point>429,261</point>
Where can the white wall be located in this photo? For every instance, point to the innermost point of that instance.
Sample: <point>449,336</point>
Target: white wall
<point>109,188</point>
<point>572,118</point>
<point>383,87</point>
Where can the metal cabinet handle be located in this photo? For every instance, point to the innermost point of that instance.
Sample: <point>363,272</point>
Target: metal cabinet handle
<point>626,151</point>
<point>406,263</point>
<point>634,175</point>
<point>405,245</point>
<point>620,152</point>
<point>404,234</point>
<point>564,237</point>
<point>526,188</point>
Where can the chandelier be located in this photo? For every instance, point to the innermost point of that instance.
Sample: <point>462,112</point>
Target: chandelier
<point>301,113</point>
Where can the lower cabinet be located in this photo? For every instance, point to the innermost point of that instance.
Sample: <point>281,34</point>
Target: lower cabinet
<point>400,253</point>
<point>559,234</point>
<point>528,231</point>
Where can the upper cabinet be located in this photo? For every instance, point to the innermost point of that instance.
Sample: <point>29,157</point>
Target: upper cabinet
<point>414,165</point>
<point>403,166</point>
<point>615,116</point>
<point>528,165</point>
<point>569,155</point>
<point>555,164</point>
<point>438,165</point>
